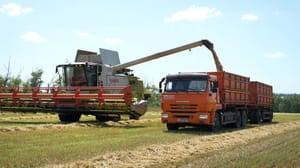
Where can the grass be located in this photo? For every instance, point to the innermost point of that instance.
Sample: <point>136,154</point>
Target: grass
<point>286,117</point>
<point>37,148</point>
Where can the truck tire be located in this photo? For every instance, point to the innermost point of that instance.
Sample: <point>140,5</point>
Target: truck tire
<point>172,127</point>
<point>256,117</point>
<point>217,123</point>
<point>238,120</point>
<point>74,117</point>
<point>244,119</point>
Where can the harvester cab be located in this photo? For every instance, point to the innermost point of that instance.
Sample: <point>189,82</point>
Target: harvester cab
<point>91,69</point>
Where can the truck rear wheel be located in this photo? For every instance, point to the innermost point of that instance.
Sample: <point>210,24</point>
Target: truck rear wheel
<point>172,127</point>
<point>217,123</point>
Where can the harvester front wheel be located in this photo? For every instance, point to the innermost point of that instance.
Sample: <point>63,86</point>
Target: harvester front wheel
<point>134,117</point>
<point>69,117</point>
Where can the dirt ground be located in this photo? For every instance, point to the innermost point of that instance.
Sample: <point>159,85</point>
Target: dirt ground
<point>159,154</point>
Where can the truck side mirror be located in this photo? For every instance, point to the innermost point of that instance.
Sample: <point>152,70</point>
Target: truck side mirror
<point>160,90</point>
<point>160,84</point>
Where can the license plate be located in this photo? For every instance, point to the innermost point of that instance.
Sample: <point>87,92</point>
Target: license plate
<point>182,120</point>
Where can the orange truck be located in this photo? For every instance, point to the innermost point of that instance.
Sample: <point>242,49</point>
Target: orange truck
<point>214,99</point>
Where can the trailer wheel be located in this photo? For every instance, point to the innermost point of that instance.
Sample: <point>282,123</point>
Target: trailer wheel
<point>269,117</point>
<point>172,127</point>
<point>69,117</point>
<point>244,119</point>
<point>217,123</point>
<point>256,117</point>
<point>238,120</point>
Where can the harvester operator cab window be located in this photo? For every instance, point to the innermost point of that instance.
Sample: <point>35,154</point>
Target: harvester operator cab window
<point>74,76</point>
<point>78,78</point>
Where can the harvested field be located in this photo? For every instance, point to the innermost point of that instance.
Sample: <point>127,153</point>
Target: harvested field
<point>42,141</point>
<point>170,154</point>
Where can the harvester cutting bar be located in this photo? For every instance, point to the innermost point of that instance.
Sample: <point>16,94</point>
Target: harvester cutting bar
<point>56,98</point>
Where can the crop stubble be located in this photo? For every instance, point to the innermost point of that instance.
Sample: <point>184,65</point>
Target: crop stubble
<point>157,154</point>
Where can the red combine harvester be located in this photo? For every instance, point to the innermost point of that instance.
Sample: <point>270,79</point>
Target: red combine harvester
<point>95,84</point>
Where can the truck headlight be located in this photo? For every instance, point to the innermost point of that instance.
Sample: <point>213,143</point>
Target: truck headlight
<point>203,116</point>
<point>164,115</point>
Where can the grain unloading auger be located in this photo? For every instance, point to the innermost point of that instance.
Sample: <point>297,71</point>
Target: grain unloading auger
<point>96,84</point>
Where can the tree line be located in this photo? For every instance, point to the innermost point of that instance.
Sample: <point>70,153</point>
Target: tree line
<point>15,81</point>
<point>289,103</point>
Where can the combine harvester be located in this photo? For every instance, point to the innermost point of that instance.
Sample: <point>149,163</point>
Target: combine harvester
<point>214,99</point>
<point>96,84</point>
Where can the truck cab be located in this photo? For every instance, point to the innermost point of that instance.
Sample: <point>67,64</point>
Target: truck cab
<point>189,99</point>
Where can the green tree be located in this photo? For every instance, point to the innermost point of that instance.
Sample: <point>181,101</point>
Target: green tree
<point>36,78</point>
<point>155,99</point>
<point>5,79</point>
<point>284,105</point>
<point>14,81</point>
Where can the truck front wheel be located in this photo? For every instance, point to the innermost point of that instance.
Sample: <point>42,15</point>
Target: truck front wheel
<point>217,123</point>
<point>172,127</point>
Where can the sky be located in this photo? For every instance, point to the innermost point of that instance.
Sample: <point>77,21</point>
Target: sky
<point>253,38</point>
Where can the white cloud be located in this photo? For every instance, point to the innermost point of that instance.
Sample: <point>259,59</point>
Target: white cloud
<point>32,37</point>
<point>113,40</point>
<point>84,34</point>
<point>277,54</point>
<point>13,9</point>
<point>249,17</point>
<point>193,13</point>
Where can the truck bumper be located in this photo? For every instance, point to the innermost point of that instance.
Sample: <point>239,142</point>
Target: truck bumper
<point>199,118</point>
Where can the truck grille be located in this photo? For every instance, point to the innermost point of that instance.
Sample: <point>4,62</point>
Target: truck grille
<point>183,107</point>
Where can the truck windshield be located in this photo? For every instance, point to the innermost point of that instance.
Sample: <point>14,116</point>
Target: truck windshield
<point>186,85</point>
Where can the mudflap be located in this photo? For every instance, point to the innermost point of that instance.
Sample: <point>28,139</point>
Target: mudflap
<point>139,109</point>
